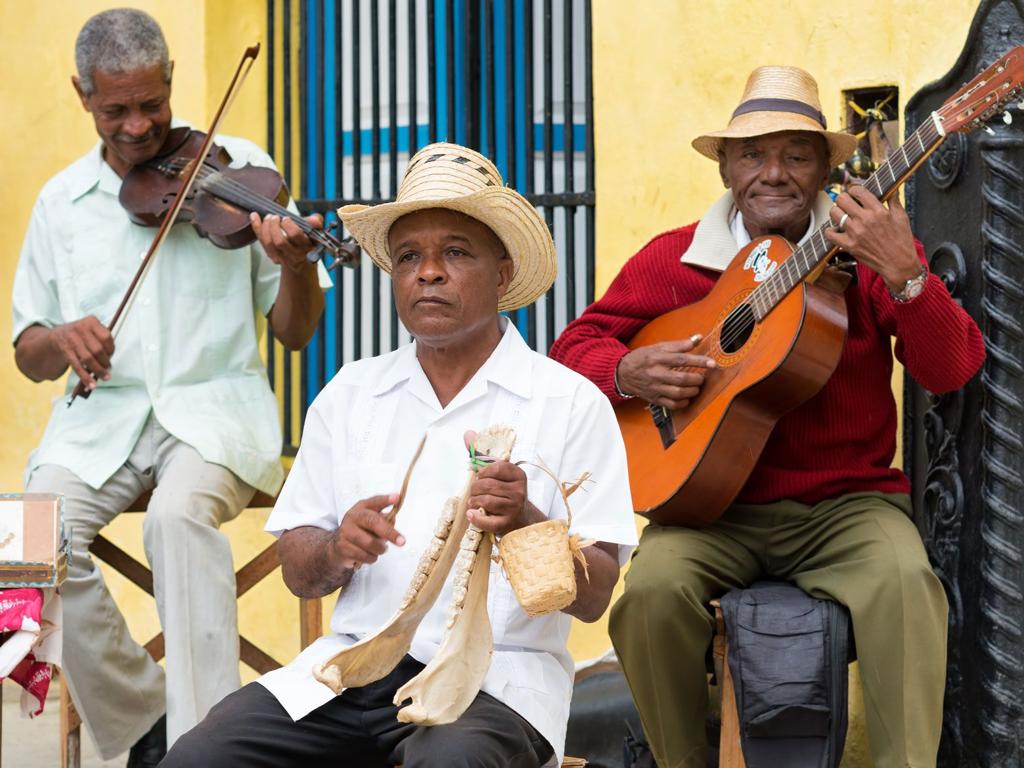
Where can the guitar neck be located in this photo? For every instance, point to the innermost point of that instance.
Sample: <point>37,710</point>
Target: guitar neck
<point>883,183</point>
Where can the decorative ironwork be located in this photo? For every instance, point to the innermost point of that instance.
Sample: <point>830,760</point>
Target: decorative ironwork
<point>1002,570</point>
<point>964,451</point>
<point>947,261</point>
<point>942,524</point>
<point>946,162</point>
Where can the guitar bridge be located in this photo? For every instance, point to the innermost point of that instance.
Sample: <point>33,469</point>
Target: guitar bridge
<point>663,421</point>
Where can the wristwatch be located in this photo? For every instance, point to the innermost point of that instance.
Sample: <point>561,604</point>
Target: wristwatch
<point>615,380</point>
<point>912,288</point>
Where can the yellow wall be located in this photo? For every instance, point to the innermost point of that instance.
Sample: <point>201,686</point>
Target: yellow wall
<point>664,71</point>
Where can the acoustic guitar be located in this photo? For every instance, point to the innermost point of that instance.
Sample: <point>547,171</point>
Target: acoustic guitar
<point>776,336</point>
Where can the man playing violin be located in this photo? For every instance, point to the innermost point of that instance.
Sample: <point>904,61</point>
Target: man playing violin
<point>179,405</point>
<point>823,507</point>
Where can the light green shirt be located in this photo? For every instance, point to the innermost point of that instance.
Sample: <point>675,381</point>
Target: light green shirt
<point>188,348</point>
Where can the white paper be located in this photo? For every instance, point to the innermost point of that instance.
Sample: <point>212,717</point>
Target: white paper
<point>12,530</point>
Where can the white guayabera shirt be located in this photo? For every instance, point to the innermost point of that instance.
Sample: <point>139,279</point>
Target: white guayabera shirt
<point>360,434</point>
<point>189,347</point>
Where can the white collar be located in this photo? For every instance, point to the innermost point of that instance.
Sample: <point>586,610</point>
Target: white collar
<point>714,242</point>
<point>742,237</point>
<point>509,366</point>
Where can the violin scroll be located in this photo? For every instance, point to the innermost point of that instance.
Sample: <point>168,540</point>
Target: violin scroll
<point>335,252</point>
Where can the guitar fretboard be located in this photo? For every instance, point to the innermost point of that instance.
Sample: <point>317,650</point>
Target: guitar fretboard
<point>882,183</point>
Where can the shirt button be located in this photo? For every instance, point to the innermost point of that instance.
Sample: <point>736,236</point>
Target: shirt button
<point>146,302</point>
<point>151,347</point>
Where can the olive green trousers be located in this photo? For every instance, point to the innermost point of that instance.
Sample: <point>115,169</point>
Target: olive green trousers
<point>861,550</point>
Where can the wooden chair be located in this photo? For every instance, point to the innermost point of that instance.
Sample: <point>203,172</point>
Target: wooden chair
<point>246,578</point>
<point>730,750</point>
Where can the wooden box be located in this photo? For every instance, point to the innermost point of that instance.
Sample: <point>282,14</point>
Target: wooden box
<point>33,548</point>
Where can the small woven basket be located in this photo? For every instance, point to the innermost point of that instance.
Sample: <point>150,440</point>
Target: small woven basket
<point>538,559</point>
<point>538,562</point>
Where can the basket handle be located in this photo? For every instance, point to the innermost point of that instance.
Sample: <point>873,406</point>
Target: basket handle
<point>564,489</point>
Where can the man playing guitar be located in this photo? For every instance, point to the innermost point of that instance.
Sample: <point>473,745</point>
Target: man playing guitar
<point>823,507</point>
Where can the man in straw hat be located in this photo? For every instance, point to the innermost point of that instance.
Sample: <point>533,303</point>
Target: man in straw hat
<point>823,506</point>
<point>460,248</point>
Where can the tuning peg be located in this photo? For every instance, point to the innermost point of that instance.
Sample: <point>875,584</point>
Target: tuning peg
<point>328,257</point>
<point>1007,118</point>
<point>989,131</point>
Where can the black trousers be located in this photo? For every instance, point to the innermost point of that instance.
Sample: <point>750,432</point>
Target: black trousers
<point>357,729</point>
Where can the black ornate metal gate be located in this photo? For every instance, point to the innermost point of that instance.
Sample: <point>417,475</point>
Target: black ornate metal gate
<point>964,451</point>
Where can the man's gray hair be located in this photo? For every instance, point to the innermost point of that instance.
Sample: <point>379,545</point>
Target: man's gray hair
<point>120,40</point>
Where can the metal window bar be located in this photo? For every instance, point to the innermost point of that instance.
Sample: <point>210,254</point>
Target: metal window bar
<point>510,78</point>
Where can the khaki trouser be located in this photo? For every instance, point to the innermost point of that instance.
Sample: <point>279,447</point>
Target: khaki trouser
<point>115,685</point>
<point>861,550</point>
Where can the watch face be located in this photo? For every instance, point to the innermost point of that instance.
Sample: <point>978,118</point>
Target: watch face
<point>914,289</point>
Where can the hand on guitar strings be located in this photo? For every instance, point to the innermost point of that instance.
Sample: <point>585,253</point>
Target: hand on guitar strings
<point>875,234</point>
<point>283,241</point>
<point>666,374</point>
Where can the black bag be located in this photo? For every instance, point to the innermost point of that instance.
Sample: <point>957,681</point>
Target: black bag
<point>788,655</point>
<point>604,725</point>
<point>602,717</point>
<point>636,751</point>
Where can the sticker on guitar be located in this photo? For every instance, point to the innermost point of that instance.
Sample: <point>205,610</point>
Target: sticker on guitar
<point>758,260</point>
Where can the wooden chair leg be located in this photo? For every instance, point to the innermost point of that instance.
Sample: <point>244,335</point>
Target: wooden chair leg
<point>310,621</point>
<point>730,751</point>
<point>70,729</point>
<point>730,748</point>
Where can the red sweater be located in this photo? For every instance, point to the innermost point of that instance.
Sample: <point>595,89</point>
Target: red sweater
<point>843,439</point>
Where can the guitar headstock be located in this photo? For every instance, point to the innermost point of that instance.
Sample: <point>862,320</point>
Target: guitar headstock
<point>986,95</point>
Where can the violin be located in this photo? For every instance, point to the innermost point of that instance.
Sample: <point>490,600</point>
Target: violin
<point>219,202</point>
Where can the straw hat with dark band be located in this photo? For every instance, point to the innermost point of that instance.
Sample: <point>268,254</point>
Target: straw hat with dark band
<point>778,99</point>
<point>457,178</point>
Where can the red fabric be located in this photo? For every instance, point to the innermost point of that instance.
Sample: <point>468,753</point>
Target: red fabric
<point>844,438</point>
<point>17,604</point>
<point>34,676</point>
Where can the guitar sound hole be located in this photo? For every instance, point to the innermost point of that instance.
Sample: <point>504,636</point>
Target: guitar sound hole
<point>737,329</point>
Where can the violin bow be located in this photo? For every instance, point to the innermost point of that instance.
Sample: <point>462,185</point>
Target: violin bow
<point>241,72</point>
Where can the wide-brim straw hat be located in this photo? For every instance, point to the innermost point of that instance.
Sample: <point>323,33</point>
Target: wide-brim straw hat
<point>459,179</point>
<point>778,99</point>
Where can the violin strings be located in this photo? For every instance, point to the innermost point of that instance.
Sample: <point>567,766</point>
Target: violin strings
<point>245,197</point>
<point>239,194</point>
